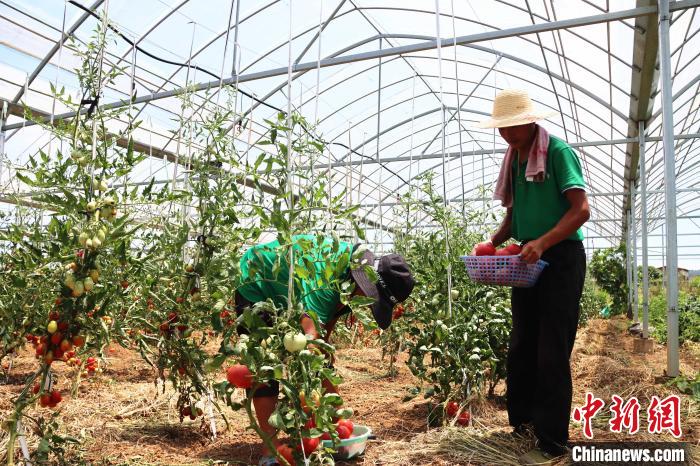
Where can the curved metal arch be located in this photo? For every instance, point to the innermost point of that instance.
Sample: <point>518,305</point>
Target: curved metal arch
<point>151,28</point>
<point>462,18</point>
<point>608,106</point>
<point>394,192</point>
<point>483,49</point>
<point>659,200</point>
<point>215,38</point>
<point>589,156</point>
<point>369,162</point>
<point>54,49</point>
<point>473,46</point>
<point>406,121</point>
<point>618,179</point>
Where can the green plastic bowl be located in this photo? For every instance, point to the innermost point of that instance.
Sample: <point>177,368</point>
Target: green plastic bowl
<point>350,447</point>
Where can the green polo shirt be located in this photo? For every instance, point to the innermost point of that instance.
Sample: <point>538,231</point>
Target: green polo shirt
<point>538,207</point>
<point>320,263</point>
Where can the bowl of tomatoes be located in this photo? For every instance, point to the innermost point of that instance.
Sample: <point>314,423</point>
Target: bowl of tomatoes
<point>503,267</point>
<point>352,440</point>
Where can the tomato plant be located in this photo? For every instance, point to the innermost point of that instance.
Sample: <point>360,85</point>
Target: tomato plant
<point>461,353</point>
<point>67,302</point>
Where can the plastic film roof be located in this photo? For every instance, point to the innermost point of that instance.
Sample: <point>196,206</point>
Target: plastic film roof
<point>398,113</point>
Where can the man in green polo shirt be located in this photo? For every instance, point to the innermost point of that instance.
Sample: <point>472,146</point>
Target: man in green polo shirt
<point>324,263</point>
<point>542,187</point>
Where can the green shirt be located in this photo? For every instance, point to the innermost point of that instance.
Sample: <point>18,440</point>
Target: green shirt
<point>538,207</point>
<point>319,266</point>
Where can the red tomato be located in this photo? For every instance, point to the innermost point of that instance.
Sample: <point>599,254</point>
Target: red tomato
<point>45,400</point>
<point>452,408</point>
<point>326,436</point>
<point>78,340</point>
<point>514,249</point>
<point>240,376</point>
<point>347,423</point>
<point>56,338</point>
<point>56,397</point>
<point>485,249</point>
<point>463,419</point>
<point>343,432</point>
<point>285,452</point>
<point>503,252</point>
<point>309,444</point>
<point>310,424</point>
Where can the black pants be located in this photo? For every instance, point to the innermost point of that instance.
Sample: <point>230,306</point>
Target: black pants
<point>545,318</point>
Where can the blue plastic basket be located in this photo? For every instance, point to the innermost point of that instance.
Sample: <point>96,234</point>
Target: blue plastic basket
<point>503,270</point>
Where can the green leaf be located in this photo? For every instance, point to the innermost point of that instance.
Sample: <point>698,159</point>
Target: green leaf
<point>276,420</point>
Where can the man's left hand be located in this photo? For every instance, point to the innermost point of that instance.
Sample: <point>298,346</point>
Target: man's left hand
<point>532,251</point>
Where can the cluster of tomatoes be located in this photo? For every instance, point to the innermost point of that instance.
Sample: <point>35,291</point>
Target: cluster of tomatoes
<point>49,399</point>
<point>488,249</point>
<point>400,310</point>
<point>344,428</point>
<point>193,412</point>
<point>172,323</point>
<point>453,412</point>
<point>58,343</point>
<point>226,317</point>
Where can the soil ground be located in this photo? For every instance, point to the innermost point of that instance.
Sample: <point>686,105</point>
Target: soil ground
<point>121,417</point>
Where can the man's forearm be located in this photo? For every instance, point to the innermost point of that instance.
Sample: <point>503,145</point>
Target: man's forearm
<point>572,220</point>
<point>503,233</point>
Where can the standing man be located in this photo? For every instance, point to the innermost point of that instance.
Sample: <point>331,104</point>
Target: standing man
<point>265,275</point>
<point>542,187</point>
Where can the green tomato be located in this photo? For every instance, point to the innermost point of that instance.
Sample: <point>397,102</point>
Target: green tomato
<point>52,327</point>
<point>88,284</point>
<point>294,342</point>
<point>455,294</point>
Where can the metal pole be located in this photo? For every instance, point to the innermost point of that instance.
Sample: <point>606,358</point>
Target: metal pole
<point>670,184</point>
<point>628,260</point>
<point>645,252</point>
<point>379,121</point>
<point>633,229</point>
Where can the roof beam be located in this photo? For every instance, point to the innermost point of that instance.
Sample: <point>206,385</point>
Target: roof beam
<point>645,83</point>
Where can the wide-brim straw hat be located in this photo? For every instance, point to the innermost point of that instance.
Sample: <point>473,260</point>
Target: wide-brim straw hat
<point>513,107</point>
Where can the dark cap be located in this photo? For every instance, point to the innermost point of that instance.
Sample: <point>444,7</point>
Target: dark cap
<point>394,283</point>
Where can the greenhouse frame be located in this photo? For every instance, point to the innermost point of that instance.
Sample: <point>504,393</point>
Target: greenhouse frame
<point>393,91</point>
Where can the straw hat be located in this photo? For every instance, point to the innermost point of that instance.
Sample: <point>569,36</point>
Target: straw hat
<point>513,107</point>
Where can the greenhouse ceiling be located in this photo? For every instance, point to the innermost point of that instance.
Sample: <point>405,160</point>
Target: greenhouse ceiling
<point>391,100</point>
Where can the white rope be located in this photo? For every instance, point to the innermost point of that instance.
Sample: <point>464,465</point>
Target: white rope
<point>132,94</point>
<point>223,59</point>
<point>58,70</point>
<point>98,91</point>
<point>410,156</point>
<point>318,84</point>
<point>444,160</point>
<point>459,107</point>
<point>290,283</point>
